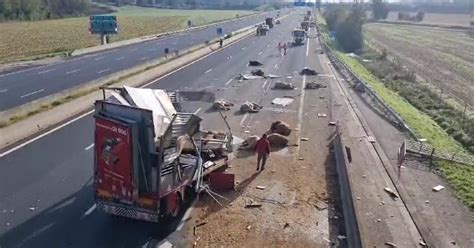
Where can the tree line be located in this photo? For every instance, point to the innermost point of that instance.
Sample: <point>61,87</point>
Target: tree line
<point>41,9</point>
<point>347,25</point>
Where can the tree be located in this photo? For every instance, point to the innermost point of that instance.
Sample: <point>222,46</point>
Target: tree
<point>379,9</point>
<point>333,16</point>
<point>349,30</point>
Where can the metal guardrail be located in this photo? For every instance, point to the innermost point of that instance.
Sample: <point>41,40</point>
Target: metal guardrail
<point>425,149</point>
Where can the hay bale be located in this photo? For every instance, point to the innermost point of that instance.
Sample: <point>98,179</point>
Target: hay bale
<point>284,86</point>
<point>249,143</point>
<point>277,140</point>
<point>250,107</point>
<point>281,128</point>
<point>222,105</point>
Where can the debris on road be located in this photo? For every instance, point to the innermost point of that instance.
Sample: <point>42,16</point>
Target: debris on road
<point>422,243</point>
<point>391,192</point>
<point>247,77</point>
<point>286,226</point>
<point>250,107</point>
<point>283,86</point>
<point>261,187</point>
<point>321,205</point>
<point>280,127</point>
<point>283,101</point>
<point>314,86</point>
<point>332,123</point>
<point>254,63</point>
<point>258,72</point>
<point>32,208</point>
<point>371,139</point>
<point>438,188</point>
<point>341,237</point>
<point>391,244</point>
<point>322,115</point>
<point>253,205</point>
<point>304,139</point>
<point>222,105</point>
<point>277,140</point>
<point>249,143</point>
<point>249,227</point>
<point>309,72</point>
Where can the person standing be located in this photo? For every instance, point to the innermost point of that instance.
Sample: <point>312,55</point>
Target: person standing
<point>221,42</point>
<point>263,151</point>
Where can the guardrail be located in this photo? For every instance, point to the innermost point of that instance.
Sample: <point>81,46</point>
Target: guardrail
<point>361,85</point>
<point>429,151</point>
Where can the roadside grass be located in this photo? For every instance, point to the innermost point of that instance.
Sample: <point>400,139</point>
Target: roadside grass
<point>460,177</point>
<point>38,39</point>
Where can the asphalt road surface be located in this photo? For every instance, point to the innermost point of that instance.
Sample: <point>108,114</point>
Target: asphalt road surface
<point>46,197</point>
<point>24,86</point>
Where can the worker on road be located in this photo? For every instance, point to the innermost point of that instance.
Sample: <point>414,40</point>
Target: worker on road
<point>221,42</point>
<point>284,48</point>
<point>263,151</point>
<point>280,47</point>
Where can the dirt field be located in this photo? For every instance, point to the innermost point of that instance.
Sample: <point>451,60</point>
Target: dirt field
<point>438,19</point>
<point>25,40</point>
<point>442,57</point>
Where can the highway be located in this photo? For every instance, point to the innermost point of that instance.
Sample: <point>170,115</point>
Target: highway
<point>46,195</point>
<point>20,87</point>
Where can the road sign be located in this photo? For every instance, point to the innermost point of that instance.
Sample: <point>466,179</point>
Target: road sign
<point>219,31</point>
<point>299,3</point>
<point>103,24</point>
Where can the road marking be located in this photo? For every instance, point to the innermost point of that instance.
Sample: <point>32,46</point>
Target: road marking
<point>100,72</point>
<point>264,84</point>
<point>89,211</point>
<point>243,48</point>
<point>32,93</point>
<point>300,116</point>
<point>143,58</point>
<point>260,53</point>
<point>307,45</point>
<point>197,111</point>
<point>92,111</point>
<point>71,72</point>
<point>89,147</point>
<point>243,119</point>
<point>121,58</point>
<point>99,58</point>
<point>43,72</point>
<point>208,71</point>
<point>228,82</point>
<point>3,91</point>
<point>276,66</point>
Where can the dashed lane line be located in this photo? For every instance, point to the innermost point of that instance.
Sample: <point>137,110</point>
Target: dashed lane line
<point>32,93</point>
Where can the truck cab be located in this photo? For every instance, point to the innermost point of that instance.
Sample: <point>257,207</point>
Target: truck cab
<point>305,25</point>
<point>269,22</point>
<point>299,36</point>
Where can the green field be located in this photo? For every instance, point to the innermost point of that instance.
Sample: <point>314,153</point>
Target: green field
<point>29,40</point>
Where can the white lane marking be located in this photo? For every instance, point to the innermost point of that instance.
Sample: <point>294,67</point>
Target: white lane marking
<point>307,44</point>
<point>208,71</point>
<point>89,211</point>
<point>43,72</point>
<point>197,111</point>
<point>44,134</point>
<point>89,147</point>
<point>243,48</point>
<point>143,58</point>
<point>92,111</point>
<point>152,49</point>
<point>264,84</point>
<point>71,72</point>
<point>121,58</point>
<point>134,49</point>
<point>228,82</point>
<point>163,244</point>
<point>300,115</point>
<point>99,58</point>
<point>100,72</point>
<point>3,91</point>
<point>32,93</point>
<point>243,119</point>
<point>276,66</point>
<point>260,53</point>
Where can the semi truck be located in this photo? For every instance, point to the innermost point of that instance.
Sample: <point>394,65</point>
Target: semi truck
<point>269,22</point>
<point>299,36</point>
<point>150,157</point>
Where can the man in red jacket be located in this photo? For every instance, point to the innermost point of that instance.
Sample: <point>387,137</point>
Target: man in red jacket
<point>263,151</point>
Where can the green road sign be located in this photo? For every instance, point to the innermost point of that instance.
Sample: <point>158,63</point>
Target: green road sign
<point>103,24</point>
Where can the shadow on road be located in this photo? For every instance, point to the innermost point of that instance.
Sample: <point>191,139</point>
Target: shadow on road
<point>66,225</point>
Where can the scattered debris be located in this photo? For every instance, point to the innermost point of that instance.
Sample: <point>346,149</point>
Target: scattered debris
<point>249,227</point>
<point>391,192</point>
<point>283,101</point>
<point>247,77</point>
<point>322,115</point>
<point>284,86</point>
<point>286,226</point>
<point>379,220</point>
<point>314,85</point>
<point>371,139</point>
<point>258,72</point>
<point>253,205</point>
<point>222,105</point>
<point>308,71</point>
<point>321,205</point>
<point>250,107</point>
<point>332,123</point>
<point>335,217</point>
<point>277,140</point>
<point>358,198</point>
<point>254,63</point>
<point>32,209</point>
<point>8,223</point>
<point>261,187</point>
<point>391,244</point>
<point>438,188</point>
<point>249,143</point>
<point>341,237</point>
<point>300,158</point>
<point>422,243</point>
<point>304,139</point>
<point>382,202</point>
<point>280,127</point>
<point>427,202</point>
<point>364,176</point>
<point>327,240</point>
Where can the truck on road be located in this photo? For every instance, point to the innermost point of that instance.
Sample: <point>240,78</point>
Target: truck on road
<point>305,25</point>
<point>299,36</point>
<point>269,22</point>
<point>149,155</point>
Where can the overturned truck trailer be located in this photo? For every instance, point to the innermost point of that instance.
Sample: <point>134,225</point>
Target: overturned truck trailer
<point>150,156</point>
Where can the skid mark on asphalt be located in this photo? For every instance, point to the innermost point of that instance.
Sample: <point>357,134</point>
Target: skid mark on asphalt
<point>32,93</point>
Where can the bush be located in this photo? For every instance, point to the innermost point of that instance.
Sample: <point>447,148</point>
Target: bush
<point>349,31</point>
<point>419,16</point>
<point>379,10</point>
